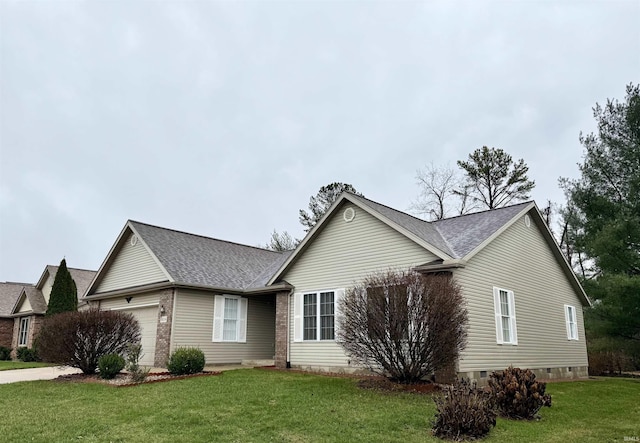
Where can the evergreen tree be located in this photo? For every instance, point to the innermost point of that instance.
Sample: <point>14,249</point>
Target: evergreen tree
<point>319,203</point>
<point>64,293</point>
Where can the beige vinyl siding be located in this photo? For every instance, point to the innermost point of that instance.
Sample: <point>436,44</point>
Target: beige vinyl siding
<point>136,300</point>
<point>132,266</point>
<point>193,326</point>
<point>341,255</point>
<point>25,306</point>
<point>520,260</point>
<point>46,288</point>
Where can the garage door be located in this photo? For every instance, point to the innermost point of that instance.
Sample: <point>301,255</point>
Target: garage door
<point>148,319</point>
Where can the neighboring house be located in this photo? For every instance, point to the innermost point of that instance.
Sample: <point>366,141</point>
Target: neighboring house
<point>9,293</point>
<point>240,303</point>
<point>31,304</point>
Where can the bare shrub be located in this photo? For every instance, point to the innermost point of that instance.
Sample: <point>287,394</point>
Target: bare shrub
<point>517,393</point>
<point>404,325</point>
<point>80,338</point>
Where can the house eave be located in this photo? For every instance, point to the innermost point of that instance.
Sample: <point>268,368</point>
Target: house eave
<point>449,265</point>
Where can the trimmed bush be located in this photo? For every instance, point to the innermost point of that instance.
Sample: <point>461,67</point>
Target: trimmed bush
<point>186,361</point>
<point>27,354</point>
<point>80,338</point>
<point>110,365</point>
<point>463,412</point>
<point>517,394</point>
<point>5,353</point>
<point>134,354</point>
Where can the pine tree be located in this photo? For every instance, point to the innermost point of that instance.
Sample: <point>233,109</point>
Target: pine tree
<point>64,296</point>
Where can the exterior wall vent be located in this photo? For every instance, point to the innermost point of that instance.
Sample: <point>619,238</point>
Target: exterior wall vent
<point>349,214</point>
<point>527,221</point>
<point>133,240</point>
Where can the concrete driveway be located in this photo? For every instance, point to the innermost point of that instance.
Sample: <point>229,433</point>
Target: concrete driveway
<point>48,373</point>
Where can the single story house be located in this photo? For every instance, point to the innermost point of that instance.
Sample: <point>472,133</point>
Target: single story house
<point>238,302</point>
<point>30,306</point>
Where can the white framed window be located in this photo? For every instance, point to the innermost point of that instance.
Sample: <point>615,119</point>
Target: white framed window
<point>23,334</point>
<point>230,319</point>
<point>315,315</point>
<point>571,321</point>
<point>505,315</point>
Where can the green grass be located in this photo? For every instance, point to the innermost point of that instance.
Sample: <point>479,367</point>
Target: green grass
<point>258,405</point>
<point>9,365</point>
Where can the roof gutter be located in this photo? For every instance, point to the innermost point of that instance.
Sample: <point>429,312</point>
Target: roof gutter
<point>165,285</point>
<point>439,267</point>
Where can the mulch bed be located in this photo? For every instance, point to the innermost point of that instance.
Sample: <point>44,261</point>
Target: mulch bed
<point>124,380</point>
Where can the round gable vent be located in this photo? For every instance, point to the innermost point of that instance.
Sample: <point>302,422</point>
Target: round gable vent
<point>349,214</point>
<point>134,240</point>
<point>527,221</point>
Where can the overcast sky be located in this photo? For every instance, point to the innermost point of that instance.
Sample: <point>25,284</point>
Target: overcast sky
<point>223,118</point>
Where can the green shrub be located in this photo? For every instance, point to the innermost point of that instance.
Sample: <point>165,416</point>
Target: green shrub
<point>110,365</point>
<point>517,394</point>
<point>463,412</point>
<point>186,361</point>
<point>5,353</point>
<point>134,353</point>
<point>27,354</point>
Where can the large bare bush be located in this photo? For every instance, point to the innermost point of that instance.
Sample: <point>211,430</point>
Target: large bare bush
<point>80,338</point>
<point>404,325</point>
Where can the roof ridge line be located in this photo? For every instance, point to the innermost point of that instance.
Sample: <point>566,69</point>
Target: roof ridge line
<point>393,209</point>
<point>435,222</point>
<point>204,236</point>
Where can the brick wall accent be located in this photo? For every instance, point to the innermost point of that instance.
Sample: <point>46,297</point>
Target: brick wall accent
<point>6,332</point>
<point>282,326</point>
<point>163,335</point>
<point>35,324</point>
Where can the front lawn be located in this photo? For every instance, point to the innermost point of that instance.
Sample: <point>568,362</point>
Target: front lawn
<point>9,365</point>
<point>256,405</point>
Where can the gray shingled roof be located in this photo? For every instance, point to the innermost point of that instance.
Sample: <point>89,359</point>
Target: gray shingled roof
<point>197,260</point>
<point>456,236</point>
<point>9,293</point>
<point>36,300</point>
<point>82,277</point>
<point>466,232</point>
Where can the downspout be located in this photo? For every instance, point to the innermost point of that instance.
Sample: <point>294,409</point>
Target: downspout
<point>288,364</point>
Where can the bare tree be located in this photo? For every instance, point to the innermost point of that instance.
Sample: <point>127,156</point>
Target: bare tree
<point>404,325</point>
<point>442,193</point>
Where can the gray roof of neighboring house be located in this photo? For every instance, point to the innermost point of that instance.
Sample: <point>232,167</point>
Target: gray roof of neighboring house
<point>196,260</point>
<point>456,236</point>
<point>82,277</point>
<point>36,300</point>
<point>9,293</point>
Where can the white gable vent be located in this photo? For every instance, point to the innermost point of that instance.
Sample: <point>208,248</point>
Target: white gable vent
<point>349,214</point>
<point>527,221</point>
<point>134,240</point>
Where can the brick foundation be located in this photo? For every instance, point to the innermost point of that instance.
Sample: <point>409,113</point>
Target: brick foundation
<point>163,333</point>
<point>543,374</point>
<point>282,327</point>
<point>6,332</point>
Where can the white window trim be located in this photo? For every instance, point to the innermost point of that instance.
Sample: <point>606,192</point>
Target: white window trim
<point>568,322</point>
<point>499,314</point>
<point>298,315</point>
<point>23,332</point>
<point>218,319</point>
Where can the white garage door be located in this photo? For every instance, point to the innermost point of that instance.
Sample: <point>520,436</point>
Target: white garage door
<point>148,319</point>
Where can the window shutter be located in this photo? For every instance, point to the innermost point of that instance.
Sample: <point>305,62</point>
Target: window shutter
<point>337,311</point>
<point>218,317</point>
<point>242,320</point>
<point>297,316</point>
<point>512,308</point>
<point>496,305</point>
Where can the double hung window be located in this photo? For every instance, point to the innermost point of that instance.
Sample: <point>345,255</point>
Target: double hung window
<point>505,315</point>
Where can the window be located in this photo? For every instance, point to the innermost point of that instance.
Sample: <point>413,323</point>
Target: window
<point>505,314</point>
<point>23,335</point>
<point>571,322</point>
<point>229,318</point>
<point>315,315</point>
